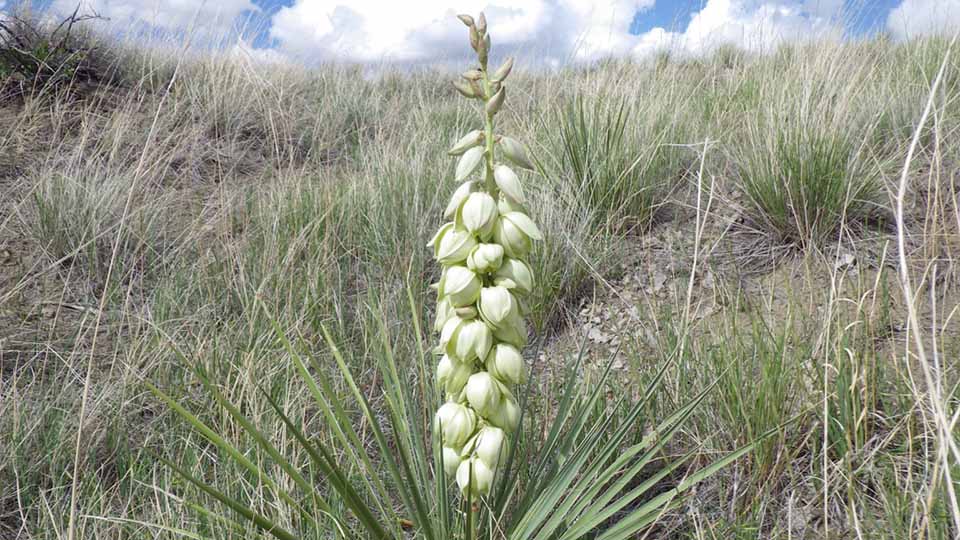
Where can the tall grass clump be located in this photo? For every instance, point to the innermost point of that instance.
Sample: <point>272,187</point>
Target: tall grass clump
<point>614,171</point>
<point>374,469</point>
<point>805,165</point>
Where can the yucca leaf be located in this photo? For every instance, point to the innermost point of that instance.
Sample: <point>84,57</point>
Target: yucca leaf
<point>323,459</point>
<point>253,517</point>
<point>222,444</point>
<point>411,498</point>
<point>337,419</point>
<point>275,455</point>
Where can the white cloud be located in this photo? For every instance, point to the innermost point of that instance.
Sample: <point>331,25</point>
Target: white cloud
<point>754,26</point>
<point>914,18</point>
<point>427,30</point>
<point>550,31</point>
<point>175,15</point>
<point>245,51</point>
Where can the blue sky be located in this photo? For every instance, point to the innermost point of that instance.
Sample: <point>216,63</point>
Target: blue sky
<point>549,31</point>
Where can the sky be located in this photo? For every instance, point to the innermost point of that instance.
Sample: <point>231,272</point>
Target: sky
<point>554,32</point>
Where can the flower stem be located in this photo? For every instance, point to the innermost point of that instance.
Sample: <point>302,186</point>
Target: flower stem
<point>489,182</point>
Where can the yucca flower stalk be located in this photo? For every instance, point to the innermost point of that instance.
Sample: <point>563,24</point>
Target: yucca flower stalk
<point>480,294</point>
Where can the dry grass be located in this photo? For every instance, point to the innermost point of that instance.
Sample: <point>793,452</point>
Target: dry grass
<point>172,204</point>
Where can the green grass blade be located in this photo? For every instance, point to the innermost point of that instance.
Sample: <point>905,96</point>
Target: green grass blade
<point>337,420</point>
<point>258,520</point>
<point>271,450</point>
<point>325,461</point>
<point>225,446</point>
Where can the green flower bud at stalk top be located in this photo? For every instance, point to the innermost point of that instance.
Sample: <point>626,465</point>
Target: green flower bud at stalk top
<point>503,70</point>
<point>466,90</point>
<point>479,214</point>
<point>456,423</point>
<point>506,364</point>
<point>485,258</point>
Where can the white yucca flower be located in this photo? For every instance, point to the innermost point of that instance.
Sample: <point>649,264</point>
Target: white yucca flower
<point>482,250</point>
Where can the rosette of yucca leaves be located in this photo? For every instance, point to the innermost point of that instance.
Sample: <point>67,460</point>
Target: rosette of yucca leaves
<point>391,472</point>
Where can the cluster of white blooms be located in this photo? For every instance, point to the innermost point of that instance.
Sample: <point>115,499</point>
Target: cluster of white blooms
<point>479,307</point>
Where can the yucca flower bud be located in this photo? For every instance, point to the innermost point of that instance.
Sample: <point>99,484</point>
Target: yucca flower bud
<point>448,332</point>
<point>503,70</point>
<point>468,141</point>
<point>456,423</point>
<point>475,475</point>
<point>515,275</point>
<point>468,162</point>
<point>451,460</point>
<point>460,286</point>
<point>488,445</point>
<point>479,214</point>
<point>472,75</point>
<point>456,200</point>
<point>444,312</point>
<point>471,341</point>
<point>484,49</point>
<point>483,393</point>
<point>506,205</point>
<point>452,375</point>
<point>482,24</point>
<point>506,364</point>
<point>497,306</point>
<point>493,106</point>
<point>515,152</point>
<point>507,415</point>
<point>513,332</point>
<point>514,231</point>
<point>475,38</point>
<point>466,90</point>
<point>509,183</point>
<point>452,245</point>
<point>485,258</point>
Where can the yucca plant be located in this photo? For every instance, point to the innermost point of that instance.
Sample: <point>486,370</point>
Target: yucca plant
<point>577,475</point>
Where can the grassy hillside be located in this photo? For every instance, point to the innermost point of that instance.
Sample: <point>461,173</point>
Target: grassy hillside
<point>729,219</point>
